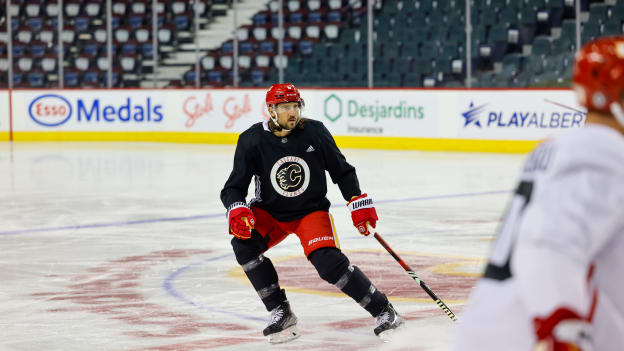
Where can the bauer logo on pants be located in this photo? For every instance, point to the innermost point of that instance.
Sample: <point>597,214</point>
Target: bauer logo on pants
<point>290,176</point>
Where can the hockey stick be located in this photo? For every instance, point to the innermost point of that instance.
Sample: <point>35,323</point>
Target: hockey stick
<point>422,284</point>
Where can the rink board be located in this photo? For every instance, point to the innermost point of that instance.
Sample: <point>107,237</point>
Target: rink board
<point>464,120</point>
<point>4,115</point>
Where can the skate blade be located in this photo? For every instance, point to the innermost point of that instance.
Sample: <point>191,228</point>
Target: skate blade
<point>285,335</point>
<point>387,335</point>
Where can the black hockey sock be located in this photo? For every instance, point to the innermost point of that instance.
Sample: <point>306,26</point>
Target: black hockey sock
<point>333,266</point>
<point>263,277</point>
<point>259,269</point>
<point>357,285</point>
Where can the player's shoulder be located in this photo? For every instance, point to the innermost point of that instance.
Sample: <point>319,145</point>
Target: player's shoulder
<point>314,125</point>
<point>593,145</point>
<point>313,122</point>
<point>251,134</point>
<point>253,130</point>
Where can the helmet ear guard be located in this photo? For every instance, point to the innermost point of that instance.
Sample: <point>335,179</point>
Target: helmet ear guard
<point>273,115</point>
<point>618,113</point>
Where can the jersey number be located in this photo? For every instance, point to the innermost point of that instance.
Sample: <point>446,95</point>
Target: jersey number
<point>498,267</point>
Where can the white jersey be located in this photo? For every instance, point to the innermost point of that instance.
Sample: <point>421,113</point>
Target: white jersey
<point>567,215</point>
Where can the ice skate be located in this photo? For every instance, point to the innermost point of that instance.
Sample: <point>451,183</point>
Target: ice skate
<point>386,322</point>
<point>283,325</point>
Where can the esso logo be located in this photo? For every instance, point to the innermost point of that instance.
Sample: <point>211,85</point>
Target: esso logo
<point>50,110</point>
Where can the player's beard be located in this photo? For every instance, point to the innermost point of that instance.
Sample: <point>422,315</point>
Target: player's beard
<point>291,123</point>
<point>274,127</point>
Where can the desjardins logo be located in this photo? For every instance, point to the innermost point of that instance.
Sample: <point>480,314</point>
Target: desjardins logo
<point>334,109</point>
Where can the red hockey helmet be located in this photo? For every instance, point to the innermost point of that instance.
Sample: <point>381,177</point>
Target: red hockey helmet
<point>598,76</point>
<point>280,93</point>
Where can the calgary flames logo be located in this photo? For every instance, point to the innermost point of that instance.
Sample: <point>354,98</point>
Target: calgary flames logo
<point>290,176</point>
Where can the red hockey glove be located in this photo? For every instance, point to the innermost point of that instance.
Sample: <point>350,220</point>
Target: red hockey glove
<point>363,213</point>
<point>563,330</point>
<point>241,220</point>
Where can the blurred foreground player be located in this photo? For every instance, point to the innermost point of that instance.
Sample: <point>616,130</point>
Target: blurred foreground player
<point>554,278</point>
<point>287,157</point>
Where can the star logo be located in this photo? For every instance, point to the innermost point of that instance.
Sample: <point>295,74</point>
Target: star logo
<point>472,115</point>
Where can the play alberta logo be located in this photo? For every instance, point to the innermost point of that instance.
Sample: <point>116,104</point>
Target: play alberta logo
<point>516,114</point>
<point>471,116</point>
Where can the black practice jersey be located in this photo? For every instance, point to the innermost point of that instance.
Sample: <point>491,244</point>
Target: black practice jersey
<point>289,172</point>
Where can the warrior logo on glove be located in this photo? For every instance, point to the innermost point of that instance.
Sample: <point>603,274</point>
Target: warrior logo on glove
<point>363,213</point>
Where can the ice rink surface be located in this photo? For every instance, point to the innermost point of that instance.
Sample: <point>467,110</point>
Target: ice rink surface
<point>124,246</point>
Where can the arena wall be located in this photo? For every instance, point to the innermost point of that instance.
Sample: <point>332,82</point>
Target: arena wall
<point>501,120</point>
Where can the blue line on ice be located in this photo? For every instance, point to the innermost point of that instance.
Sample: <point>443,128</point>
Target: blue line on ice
<point>170,280</point>
<point>168,286</point>
<point>215,215</point>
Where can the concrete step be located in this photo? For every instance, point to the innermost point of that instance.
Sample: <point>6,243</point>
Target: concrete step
<point>169,73</point>
<point>161,83</point>
<point>182,58</point>
<point>220,29</point>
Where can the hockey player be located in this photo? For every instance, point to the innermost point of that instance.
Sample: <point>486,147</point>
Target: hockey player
<point>553,281</point>
<point>287,157</point>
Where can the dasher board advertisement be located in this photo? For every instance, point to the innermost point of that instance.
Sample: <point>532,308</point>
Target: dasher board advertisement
<point>138,110</point>
<point>387,113</point>
<point>512,115</point>
<point>516,114</point>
